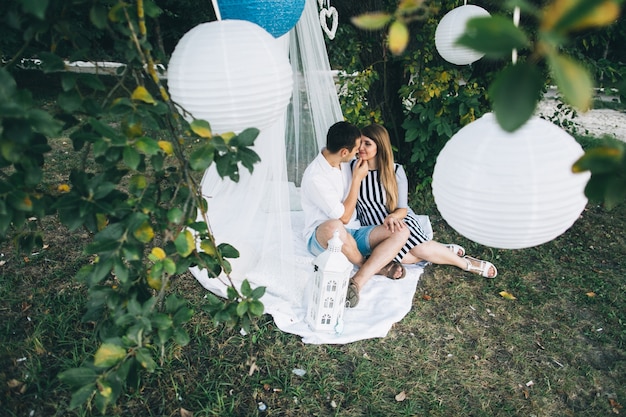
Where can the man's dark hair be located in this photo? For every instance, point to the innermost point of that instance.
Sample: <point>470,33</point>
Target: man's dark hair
<point>342,135</point>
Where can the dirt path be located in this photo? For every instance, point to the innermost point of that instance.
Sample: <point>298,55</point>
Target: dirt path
<point>597,122</point>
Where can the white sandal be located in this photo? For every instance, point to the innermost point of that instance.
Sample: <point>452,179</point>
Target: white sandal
<point>483,269</point>
<point>456,249</point>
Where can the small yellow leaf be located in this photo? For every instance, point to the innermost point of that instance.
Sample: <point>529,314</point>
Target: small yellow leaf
<point>401,396</point>
<point>154,282</point>
<point>108,354</point>
<point>63,188</point>
<point>573,81</point>
<point>227,136</point>
<point>207,246</point>
<point>201,128</point>
<point>398,37</point>
<point>603,14</point>
<point>144,233</point>
<point>101,221</point>
<point>132,129</point>
<point>141,94</point>
<point>371,21</point>
<point>105,389</point>
<point>507,295</point>
<point>166,147</point>
<point>185,243</point>
<point>591,294</point>
<point>158,253</point>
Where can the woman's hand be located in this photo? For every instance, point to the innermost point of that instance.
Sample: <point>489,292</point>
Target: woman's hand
<point>393,223</point>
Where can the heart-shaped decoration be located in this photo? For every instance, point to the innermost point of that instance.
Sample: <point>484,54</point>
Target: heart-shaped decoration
<point>330,13</point>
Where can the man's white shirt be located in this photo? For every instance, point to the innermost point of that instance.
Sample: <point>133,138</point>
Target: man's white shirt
<point>322,192</point>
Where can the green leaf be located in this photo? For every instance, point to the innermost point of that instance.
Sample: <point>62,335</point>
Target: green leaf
<point>256,308</point>
<point>78,377</point>
<point>495,36</point>
<point>201,128</point>
<point>161,321</point>
<point>242,308</point>
<point>247,137</point>
<point>371,21</point>
<point>202,158</point>
<point>131,157</point>
<point>108,355</point>
<point>515,93</point>
<point>81,395</point>
<point>144,357</point>
<point>600,160</point>
<point>69,101</point>
<point>147,146</point>
<point>258,293</point>
<point>35,7</point>
<point>98,16</point>
<point>92,81</point>
<point>228,251</point>
<point>144,233</point>
<point>182,316</point>
<point>573,81</point>
<point>173,303</point>
<point>175,215</point>
<point>185,243</point>
<point>246,290</point>
<point>181,337</point>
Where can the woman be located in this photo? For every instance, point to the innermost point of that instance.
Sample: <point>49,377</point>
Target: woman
<point>383,199</point>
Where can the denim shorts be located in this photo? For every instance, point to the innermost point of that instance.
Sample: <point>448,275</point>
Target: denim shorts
<point>361,236</point>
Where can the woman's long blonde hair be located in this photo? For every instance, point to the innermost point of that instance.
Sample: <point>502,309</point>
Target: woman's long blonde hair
<point>384,162</point>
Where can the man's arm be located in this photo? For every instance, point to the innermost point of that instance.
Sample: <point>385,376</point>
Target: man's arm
<point>359,171</point>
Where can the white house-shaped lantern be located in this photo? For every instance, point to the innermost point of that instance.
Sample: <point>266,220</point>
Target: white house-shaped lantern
<point>331,275</point>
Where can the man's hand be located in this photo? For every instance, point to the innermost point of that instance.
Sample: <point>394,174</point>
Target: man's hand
<point>360,170</point>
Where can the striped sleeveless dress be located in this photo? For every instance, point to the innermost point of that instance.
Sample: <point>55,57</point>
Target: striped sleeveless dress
<point>371,210</point>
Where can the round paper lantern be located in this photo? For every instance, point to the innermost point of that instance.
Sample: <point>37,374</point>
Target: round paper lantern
<point>275,16</point>
<point>509,190</point>
<point>231,73</point>
<point>450,29</point>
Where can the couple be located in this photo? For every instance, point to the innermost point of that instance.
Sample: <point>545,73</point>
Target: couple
<point>336,188</point>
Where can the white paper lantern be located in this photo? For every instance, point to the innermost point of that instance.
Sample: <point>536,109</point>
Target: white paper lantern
<point>509,190</point>
<point>232,73</point>
<point>450,29</point>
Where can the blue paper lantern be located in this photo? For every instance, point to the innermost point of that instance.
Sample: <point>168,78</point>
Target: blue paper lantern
<point>275,16</point>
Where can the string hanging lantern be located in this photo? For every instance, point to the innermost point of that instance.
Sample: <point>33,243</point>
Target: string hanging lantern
<point>275,16</point>
<point>450,29</point>
<point>231,73</point>
<point>509,190</point>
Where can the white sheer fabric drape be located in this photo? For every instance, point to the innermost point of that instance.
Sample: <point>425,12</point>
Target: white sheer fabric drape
<point>254,214</point>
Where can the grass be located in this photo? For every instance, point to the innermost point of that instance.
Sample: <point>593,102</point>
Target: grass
<point>558,349</point>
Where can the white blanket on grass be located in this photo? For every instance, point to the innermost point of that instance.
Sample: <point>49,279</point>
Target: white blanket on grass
<point>383,301</point>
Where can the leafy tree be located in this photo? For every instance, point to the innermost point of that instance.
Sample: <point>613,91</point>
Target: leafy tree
<point>133,185</point>
<point>437,98</point>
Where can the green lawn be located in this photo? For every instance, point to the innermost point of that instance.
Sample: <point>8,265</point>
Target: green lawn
<point>558,349</point>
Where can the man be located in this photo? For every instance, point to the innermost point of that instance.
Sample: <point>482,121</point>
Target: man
<point>329,193</point>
